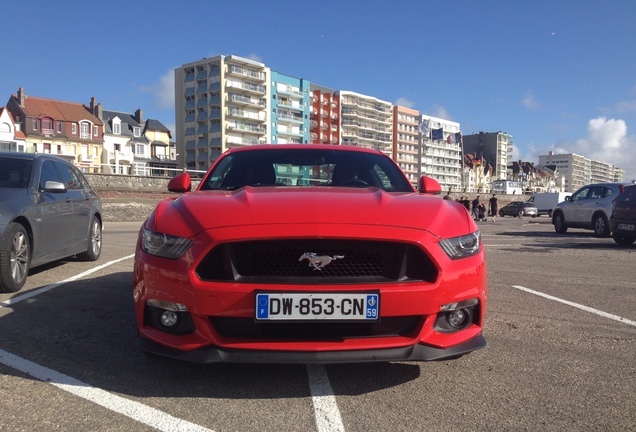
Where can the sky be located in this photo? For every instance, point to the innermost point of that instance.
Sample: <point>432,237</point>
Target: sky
<point>557,75</point>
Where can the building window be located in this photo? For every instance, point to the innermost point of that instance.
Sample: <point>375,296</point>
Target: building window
<point>34,124</point>
<point>58,126</point>
<point>85,131</point>
<point>95,130</point>
<point>74,128</point>
<point>47,126</point>
<point>136,132</point>
<point>116,128</point>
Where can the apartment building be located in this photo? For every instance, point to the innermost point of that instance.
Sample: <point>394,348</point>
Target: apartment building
<point>290,109</point>
<point>441,151</point>
<point>66,129</point>
<point>493,147</point>
<point>406,143</point>
<point>324,122</point>
<point>365,121</point>
<point>578,170</point>
<point>220,103</point>
<point>229,101</point>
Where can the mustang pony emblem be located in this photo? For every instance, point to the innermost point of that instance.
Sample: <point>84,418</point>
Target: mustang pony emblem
<point>318,262</point>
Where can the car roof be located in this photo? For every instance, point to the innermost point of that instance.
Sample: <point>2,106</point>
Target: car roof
<point>31,156</point>
<point>304,147</point>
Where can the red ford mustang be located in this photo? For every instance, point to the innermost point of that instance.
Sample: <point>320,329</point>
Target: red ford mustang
<point>308,254</point>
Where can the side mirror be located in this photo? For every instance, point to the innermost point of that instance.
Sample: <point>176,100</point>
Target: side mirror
<point>428,185</point>
<point>181,183</point>
<point>54,186</point>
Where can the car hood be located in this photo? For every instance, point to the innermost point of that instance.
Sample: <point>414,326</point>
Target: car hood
<point>197,211</point>
<point>7,194</point>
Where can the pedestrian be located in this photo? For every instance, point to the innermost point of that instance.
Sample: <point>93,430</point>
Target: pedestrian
<point>494,206</point>
<point>465,202</point>
<point>475,207</point>
<point>448,196</point>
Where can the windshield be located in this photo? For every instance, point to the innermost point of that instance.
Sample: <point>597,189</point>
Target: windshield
<point>305,168</point>
<point>15,173</point>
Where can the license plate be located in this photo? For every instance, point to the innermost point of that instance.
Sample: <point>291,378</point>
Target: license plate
<point>317,306</point>
<point>626,227</point>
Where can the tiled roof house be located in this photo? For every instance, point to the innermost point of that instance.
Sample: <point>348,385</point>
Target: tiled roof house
<point>64,128</point>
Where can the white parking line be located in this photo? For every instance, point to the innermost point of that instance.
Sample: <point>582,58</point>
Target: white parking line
<point>325,407</point>
<point>33,293</point>
<point>579,306</point>
<point>327,414</point>
<point>134,410</point>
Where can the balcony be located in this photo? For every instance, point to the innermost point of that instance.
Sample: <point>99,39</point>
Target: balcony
<point>245,72</point>
<point>248,87</point>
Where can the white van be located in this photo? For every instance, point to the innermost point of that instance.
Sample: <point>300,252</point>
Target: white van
<point>546,201</point>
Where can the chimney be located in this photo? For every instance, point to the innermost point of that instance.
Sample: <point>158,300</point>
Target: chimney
<point>99,112</point>
<point>21,97</point>
<point>93,105</point>
<point>139,116</point>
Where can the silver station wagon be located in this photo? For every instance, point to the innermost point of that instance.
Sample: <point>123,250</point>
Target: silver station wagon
<point>48,211</point>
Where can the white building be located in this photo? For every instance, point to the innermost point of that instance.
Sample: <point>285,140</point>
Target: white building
<point>365,122</point>
<point>441,151</point>
<point>220,103</point>
<point>578,170</point>
<point>12,139</point>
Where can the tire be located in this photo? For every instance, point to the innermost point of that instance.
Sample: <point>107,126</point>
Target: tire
<point>15,258</point>
<point>501,213</point>
<point>624,239</point>
<point>94,244</point>
<point>559,223</point>
<point>549,213</point>
<point>601,226</point>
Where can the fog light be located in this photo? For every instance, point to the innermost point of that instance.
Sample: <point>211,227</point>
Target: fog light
<point>458,318</point>
<point>169,318</point>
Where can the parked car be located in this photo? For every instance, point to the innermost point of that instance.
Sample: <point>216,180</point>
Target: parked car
<point>623,218</point>
<point>589,207</point>
<point>308,254</point>
<point>519,209</point>
<point>48,211</point>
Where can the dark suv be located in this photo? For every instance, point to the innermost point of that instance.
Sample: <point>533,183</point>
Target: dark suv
<point>623,219</point>
<point>589,207</point>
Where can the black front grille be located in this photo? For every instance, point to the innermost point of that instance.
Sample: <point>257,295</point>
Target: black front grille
<point>287,261</point>
<point>248,328</point>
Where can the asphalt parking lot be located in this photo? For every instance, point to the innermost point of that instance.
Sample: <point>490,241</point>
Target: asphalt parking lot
<point>560,327</point>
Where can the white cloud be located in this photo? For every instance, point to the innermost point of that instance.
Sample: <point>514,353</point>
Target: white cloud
<point>626,106</point>
<point>439,111</point>
<point>405,102</point>
<point>162,91</point>
<point>529,101</point>
<point>255,57</point>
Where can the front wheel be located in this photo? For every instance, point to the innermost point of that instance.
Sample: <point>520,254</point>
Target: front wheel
<point>601,226</point>
<point>94,244</point>
<point>15,258</point>
<point>624,239</point>
<point>559,224</point>
<point>501,213</point>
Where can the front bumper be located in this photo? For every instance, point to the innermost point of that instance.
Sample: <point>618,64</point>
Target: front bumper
<point>417,352</point>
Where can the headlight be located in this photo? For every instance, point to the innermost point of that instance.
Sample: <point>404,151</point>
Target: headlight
<point>163,245</point>
<point>462,247</point>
